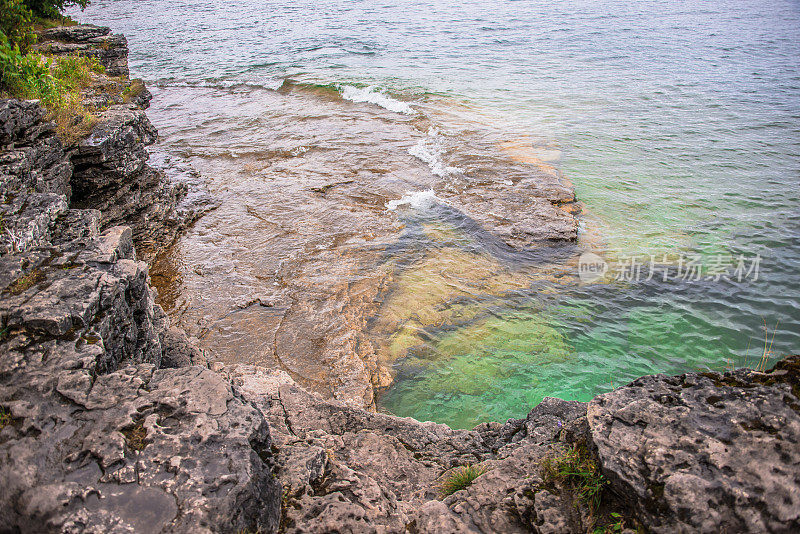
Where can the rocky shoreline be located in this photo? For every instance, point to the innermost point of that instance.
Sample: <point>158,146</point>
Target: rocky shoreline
<point>112,421</point>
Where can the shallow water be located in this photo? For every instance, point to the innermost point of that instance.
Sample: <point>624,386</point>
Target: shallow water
<point>340,137</point>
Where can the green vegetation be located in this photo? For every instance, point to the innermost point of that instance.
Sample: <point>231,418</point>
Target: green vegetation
<point>49,9</point>
<point>24,74</point>
<point>135,436</point>
<point>44,24</point>
<point>5,418</point>
<point>576,471</point>
<point>16,23</point>
<point>73,72</point>
<point>616,524</point>
<point>460,478</point>
<point>56,82</point>
<point>19,18</point>
<point>26,281</point>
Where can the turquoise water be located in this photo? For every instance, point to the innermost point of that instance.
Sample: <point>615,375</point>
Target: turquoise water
<point>677,122</point>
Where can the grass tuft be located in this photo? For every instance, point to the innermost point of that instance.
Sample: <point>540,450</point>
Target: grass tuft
<point>5,418</point>
<point>578,472</point>
<point>73,120</point>
<point>460,478</point>
<point>767,353</point>
<point>759,363</point>
<point>26,281</point>
<point>135,436</point>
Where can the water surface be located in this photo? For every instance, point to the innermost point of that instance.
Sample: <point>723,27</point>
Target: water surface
<point>340,136</point>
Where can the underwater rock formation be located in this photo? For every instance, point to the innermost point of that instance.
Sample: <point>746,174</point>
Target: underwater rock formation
<point>112,421</point>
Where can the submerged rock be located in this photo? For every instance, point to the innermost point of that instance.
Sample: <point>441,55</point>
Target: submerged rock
<point>112,421</point>
<point>523,215</point>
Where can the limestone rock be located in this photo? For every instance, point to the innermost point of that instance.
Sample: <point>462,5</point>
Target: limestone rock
<point>99,438</point>
<point>20,121</point>
<point>705,453</point>
<point>112,174</point>
<point>88,40</point>
<point>347,470</point>
<point>115,422</point>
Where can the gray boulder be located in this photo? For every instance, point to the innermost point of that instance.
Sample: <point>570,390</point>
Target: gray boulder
<point>111,50</point>
<point>705,452</point>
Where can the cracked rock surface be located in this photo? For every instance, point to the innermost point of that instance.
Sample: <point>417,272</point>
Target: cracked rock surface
<point>100,439</point>
<point>112,421</point>
<point>694,453</point>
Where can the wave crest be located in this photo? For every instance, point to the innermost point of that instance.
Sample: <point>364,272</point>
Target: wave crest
<point>373,95</point>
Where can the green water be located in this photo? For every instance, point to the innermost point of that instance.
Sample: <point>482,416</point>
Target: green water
<point>504,352</point>
<point>676,121</point>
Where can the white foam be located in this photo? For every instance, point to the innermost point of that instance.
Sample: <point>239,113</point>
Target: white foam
<point>373,95</point>
<point>261,83</point>
<point>414,199</point>
<point>430,151</point>
<point>272,83</point>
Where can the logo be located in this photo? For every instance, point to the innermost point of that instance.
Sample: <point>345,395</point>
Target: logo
<point>591,267</point>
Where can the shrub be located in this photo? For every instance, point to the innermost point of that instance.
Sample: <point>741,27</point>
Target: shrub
<point>52,8</point>
<point>460,478</point>
<point>25,75</point>
<point>17,18</point>
<point>56,82</point>
<point>15,23</point>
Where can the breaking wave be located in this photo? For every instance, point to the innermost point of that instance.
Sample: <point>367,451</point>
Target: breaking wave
<point>373,95</point>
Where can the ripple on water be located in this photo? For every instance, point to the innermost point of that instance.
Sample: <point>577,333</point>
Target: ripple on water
<point>678,138</point>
